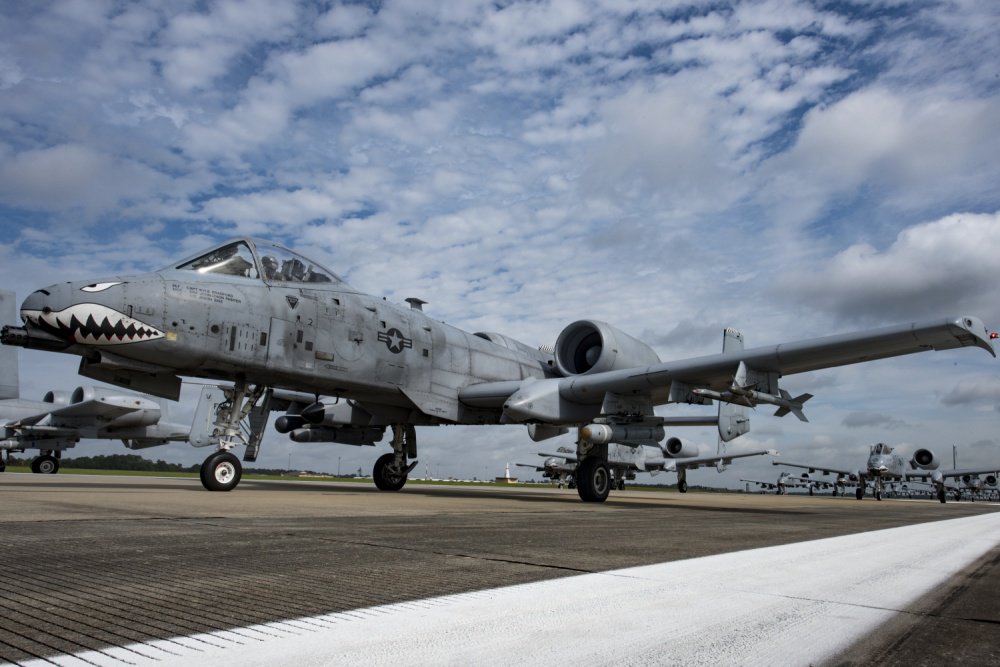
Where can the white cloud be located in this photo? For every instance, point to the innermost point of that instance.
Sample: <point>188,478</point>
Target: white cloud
<point>198,47</point>
<point>918,150</point>
<point>71,176</point>
<point>936,268</point>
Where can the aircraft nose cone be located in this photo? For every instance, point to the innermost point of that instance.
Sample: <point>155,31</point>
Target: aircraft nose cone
<point>40,302</point>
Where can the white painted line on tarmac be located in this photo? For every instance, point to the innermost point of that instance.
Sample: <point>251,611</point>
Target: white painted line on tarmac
<point>795,604</point>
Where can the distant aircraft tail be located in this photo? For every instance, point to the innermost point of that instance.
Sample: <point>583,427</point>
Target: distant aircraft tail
<point>733,419</point>
<point>9,381</point>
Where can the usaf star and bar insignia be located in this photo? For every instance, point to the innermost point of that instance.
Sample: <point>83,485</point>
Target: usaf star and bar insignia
<point>395,340</point>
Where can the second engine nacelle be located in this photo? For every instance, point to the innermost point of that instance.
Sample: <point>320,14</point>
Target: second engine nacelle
<point>990,480</point>
<point>589,346</point>
<point>676,449</point>
<point>56,397</point>
<point>924,459</point>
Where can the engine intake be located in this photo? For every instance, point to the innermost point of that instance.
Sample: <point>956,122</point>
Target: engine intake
<point>676,449</point>
<point>924,459</point>
<point>589,346</point>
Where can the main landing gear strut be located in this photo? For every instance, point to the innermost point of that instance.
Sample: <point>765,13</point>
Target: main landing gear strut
<point>392,469</point>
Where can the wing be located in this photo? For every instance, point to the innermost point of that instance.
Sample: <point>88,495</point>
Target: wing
<point>814,468</point>
<point>72,415</point>
<point>945,474</point>
<point>579,398</point>
<point>717,371</point>
<point>720,459</point>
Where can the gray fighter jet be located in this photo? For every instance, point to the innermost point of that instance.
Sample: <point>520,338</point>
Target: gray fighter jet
<point>885,465</point>
<point>256,314</point>
<point>625,461</point>
<point>787,480</point>
<point>62,418</point>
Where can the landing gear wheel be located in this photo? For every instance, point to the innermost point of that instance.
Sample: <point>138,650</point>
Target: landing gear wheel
<point>942,496</point>
<point>46,464</point>
<point>221,472</point>
<point>835,492</point>
<point>621,485</point>
<point>810,490</point>
<point>859,493</point>
<point>682,486</point>
<point>386,474</point>
<point>878,494</point>
<point>3,465</point>
<point>593,480</point>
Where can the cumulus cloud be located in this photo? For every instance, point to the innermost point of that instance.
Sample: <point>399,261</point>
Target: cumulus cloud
<point>200,46</point>
<point>71,176</point>
<point>864,419</point>
<point>935,268</point>
<point>917,149</point>
<point>975,390</point>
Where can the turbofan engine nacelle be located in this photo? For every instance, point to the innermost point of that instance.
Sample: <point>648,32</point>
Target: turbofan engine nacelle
<point>676,449</point>
<point>990,480</point>
<point>56,397</point>
<point>589,346</point>
<point>924,459</point>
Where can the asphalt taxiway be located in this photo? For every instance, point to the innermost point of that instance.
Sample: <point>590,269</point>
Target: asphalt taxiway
<point>102,564</point>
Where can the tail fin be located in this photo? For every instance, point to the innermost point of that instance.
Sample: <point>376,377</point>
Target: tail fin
<point>733,419</point>
<point>796,405</point>
<point>9,381</point>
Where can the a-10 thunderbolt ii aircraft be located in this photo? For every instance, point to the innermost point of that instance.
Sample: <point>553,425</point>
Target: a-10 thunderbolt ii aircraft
<point>625,461</point>
<point>62,418</point>
<point>787,480</point>
<point>261,316</point>
<point>885,465</point>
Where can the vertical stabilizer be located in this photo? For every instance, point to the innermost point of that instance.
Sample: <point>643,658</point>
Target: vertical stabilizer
<point>9,381</point>
<point>733,419</point>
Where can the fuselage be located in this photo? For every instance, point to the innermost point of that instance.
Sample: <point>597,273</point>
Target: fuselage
<point>253,310</point>
<point>884,463</point>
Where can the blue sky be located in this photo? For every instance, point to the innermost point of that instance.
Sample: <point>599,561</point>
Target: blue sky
<point>789,168</point>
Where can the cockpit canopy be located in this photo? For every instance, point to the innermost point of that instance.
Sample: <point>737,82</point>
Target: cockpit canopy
<point>881,448</point>
<point>257,259</point>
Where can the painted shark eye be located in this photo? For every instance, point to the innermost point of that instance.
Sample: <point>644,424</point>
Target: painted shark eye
<point>98,287</point>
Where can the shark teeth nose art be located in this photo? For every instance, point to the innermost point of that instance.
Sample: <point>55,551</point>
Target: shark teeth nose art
<point>92,324</point>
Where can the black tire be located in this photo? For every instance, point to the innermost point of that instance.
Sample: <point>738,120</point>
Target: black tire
<point>385,478</point>
<point>3,465</point>
<point>221,472</point>
<point>682,486</point>
<point>810,490</point>
<point>942,496</point>
<point>46,464</point>
<point>878,494</point>
<point>593,480</point>
<point>859,493</point>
